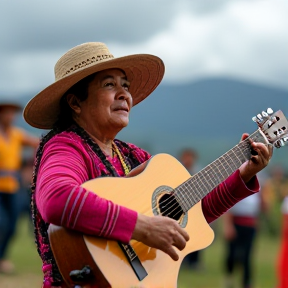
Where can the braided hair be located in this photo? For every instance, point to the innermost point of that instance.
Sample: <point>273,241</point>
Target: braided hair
<point>65,123</point>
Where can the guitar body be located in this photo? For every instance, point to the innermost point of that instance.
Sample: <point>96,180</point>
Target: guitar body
<point>139,193</point>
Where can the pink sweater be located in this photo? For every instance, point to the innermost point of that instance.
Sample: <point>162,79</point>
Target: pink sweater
<point>68,161</point>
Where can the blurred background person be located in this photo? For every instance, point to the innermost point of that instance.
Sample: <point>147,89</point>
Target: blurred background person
<point>189,157</point>
<point>12,140</point>
<point>274,190</point>
<point>240,225</point>
<point>282,265</point>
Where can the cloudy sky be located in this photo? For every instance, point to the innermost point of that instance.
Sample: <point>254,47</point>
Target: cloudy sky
<point>243,39</point>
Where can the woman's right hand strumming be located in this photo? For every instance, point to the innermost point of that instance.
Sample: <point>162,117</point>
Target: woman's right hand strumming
<point>161,233</point>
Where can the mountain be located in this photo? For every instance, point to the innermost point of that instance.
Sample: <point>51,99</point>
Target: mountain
<point>209,115</point>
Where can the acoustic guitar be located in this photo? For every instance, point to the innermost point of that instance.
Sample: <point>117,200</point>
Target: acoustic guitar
<point>160,187</point>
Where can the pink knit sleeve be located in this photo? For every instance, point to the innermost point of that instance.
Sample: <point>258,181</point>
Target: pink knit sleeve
<point>227,194</point>
<point>60,199</point>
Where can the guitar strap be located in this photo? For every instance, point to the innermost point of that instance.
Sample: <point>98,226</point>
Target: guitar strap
<point>133,260</point>
<point>127,249</point>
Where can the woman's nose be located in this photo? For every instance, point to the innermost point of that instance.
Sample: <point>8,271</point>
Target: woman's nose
<point>123,93</point>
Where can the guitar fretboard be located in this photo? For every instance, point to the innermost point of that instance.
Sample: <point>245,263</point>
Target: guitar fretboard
<point>199,185</point>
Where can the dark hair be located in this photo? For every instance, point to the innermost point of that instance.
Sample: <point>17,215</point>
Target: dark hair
<point>80,90</point>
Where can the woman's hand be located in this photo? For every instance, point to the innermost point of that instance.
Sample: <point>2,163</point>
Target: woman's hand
<point>161,233</point>
<point>257,162</point>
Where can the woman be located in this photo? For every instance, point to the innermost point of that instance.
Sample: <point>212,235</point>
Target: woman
<point>86,107</point>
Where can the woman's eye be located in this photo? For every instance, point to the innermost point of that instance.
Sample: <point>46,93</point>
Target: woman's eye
<point>126,86</point>
<point>108,84</point>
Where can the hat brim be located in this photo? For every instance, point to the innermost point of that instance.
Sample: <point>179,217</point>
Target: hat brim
<point>143,71</point>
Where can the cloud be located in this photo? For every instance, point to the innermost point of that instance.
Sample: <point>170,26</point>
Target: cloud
<point>245,39</point>
<point>45,25</point>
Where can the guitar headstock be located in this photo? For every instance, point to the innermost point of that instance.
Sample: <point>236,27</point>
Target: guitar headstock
<point>274,126</point>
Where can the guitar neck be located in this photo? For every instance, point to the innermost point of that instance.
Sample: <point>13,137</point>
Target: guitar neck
<point>199,185</point>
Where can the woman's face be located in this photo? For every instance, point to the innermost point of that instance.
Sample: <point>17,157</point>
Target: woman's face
<point>108,103</point>
<point>7,116</point>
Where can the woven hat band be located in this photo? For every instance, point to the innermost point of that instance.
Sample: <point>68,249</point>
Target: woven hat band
<point>81,56</point>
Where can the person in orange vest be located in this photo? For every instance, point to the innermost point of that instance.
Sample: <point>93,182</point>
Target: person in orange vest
<point>12,140</point>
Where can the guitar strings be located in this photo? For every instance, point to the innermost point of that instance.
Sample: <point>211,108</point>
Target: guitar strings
<point>246,149</point>
<point>177,204</point>
<point>171,198</point>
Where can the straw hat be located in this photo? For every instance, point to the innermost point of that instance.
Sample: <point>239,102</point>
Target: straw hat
<point>144,72</point>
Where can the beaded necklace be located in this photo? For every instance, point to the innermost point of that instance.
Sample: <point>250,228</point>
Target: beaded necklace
<point>124,165</point>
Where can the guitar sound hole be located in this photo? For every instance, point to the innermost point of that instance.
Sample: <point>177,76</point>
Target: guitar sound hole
<point>169,206</point>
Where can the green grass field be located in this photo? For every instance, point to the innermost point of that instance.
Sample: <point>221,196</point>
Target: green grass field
<point>264,262</point>
<point>28,265</point>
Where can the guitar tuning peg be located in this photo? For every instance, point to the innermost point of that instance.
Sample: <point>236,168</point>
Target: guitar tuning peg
<point>281,142</point>
<point>259,116</point>
<point>254,119</point>
<point>269,111</point>
<point>285,140</point>
<point>264,114</point>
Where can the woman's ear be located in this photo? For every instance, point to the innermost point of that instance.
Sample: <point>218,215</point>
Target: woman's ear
<point>73,102</point>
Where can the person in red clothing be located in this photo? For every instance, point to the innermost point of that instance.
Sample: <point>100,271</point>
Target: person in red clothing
<point>240,227</point>
<point>85,108</point>
<point>282,265</point>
